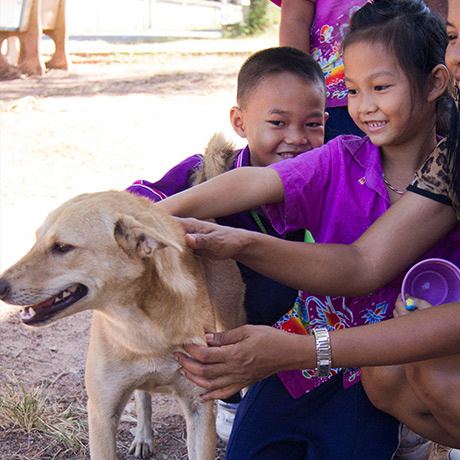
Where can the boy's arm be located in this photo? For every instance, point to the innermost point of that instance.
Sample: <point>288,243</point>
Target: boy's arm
<point>396,240</point>
<point>228,193</point>
<point>296,21</point>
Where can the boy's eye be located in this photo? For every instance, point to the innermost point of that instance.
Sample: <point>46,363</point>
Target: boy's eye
<point>352,92</point>
<point>380,87</point>
<point>313,125</point>
<point>277,122</point>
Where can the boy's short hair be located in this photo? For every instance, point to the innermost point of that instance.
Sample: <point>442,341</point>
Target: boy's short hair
<point>272,61</point>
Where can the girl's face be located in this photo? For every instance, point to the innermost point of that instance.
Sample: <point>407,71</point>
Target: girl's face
<point>453,47</point>
<point>380,98</point>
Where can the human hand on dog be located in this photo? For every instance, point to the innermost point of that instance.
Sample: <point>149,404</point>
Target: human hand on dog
<point>240,357</point>
<point>212,240</point>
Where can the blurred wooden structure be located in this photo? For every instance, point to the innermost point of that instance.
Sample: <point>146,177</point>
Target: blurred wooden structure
<point>27,20</point>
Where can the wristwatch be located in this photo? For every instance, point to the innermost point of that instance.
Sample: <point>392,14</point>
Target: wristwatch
<point>323,352</point>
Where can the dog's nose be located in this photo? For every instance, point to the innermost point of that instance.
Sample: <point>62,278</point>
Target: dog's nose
<point>4,289</point>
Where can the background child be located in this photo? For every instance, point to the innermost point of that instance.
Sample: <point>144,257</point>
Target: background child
<point>395,75</point>
<point>281,112</point>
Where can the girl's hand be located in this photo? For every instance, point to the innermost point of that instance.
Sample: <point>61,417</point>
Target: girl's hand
<point>400,306</point>
<point>236,359</point>
<point>212,240</point>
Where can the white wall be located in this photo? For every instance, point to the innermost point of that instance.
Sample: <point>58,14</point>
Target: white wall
<point>86,16</point>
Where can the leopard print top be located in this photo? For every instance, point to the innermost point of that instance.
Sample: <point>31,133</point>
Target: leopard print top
<point>434,178</point>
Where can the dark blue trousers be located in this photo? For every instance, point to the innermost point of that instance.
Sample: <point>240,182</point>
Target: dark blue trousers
<point>329,423</point>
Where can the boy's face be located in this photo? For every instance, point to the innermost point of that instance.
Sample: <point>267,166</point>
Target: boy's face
<point>283,117</point>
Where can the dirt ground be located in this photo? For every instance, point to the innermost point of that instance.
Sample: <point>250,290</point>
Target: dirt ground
<point>125,111</point>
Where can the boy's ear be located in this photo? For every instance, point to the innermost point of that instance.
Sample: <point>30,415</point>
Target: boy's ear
<point>237,121</point>
<point>439,82</point>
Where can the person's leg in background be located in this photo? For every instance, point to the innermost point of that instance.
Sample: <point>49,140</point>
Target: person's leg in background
<point>340,122</point>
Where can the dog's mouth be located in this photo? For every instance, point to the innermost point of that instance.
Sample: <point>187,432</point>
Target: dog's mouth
<point>44,311</point>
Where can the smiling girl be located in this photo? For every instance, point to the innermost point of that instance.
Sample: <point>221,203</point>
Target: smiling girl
<point>394,70</point>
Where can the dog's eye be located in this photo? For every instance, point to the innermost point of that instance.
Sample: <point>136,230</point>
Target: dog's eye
<point>61,248</point>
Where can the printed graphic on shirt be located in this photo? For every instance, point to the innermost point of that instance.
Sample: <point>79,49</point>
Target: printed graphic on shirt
<point>334,313</point>
<point>326,38</point>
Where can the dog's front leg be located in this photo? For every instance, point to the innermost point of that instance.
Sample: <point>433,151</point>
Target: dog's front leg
<point>109,387</point>
<point>142,445</point>
<point>201,428</point>
<point>103,423</point>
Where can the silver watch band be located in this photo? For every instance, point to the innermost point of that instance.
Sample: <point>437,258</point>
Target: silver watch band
<point>323,352</point>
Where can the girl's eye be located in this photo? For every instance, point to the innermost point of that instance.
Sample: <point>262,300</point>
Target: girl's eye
<point>277,122</point>
<point>380,87</point>
<point>314,125</point>
<point>451,37</point>
<point>352,92</point>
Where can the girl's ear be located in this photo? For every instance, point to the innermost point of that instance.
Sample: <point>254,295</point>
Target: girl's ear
<point>439,82</point>
<point>237,121</point>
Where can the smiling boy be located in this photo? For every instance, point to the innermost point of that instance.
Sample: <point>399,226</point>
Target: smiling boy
<point>281,103</point>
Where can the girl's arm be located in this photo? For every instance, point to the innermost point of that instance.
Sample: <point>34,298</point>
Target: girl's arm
<point>228,193</point>
<point>395,241</point>
<point>296,21</point>
<point>243,356</point>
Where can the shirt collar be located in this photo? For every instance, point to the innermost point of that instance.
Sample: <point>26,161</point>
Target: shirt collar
<point>242,158</point>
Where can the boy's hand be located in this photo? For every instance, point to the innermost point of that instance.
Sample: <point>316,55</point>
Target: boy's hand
<point>400,306</point>
<point>213,240</point>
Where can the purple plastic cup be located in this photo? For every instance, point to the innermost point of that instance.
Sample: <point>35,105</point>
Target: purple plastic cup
<point>435,280</point>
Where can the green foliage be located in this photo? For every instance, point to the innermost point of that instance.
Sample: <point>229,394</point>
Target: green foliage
<point>259,17</point>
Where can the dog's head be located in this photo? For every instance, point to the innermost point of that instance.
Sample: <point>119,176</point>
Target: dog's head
<point>90,251</point>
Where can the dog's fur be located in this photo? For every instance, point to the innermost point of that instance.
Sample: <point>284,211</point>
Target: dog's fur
<point>120,255</point>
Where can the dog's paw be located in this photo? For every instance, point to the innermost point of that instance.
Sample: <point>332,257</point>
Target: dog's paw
<point>142,448</point>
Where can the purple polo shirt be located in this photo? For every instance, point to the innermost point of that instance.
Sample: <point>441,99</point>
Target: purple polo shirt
<point>337,192</point>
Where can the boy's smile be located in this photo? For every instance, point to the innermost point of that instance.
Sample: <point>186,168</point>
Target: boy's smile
<point>284,116</point>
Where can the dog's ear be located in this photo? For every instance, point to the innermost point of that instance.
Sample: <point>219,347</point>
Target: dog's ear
<point>155,241</point>
<point>140,240</point>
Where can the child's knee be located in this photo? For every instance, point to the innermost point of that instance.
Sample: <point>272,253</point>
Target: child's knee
<point>381,385</point>
<point>437,384</point>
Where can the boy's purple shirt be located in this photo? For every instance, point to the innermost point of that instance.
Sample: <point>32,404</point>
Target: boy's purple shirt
<point>180,178</point>
<point>337,192</point>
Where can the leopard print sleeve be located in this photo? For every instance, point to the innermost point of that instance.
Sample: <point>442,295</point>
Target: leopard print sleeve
<point>433,179</point>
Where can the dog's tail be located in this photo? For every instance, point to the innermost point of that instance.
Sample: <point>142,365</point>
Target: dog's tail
<point>218,158</point>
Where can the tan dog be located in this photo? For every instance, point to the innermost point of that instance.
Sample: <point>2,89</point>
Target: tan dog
<point>121,256</point>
